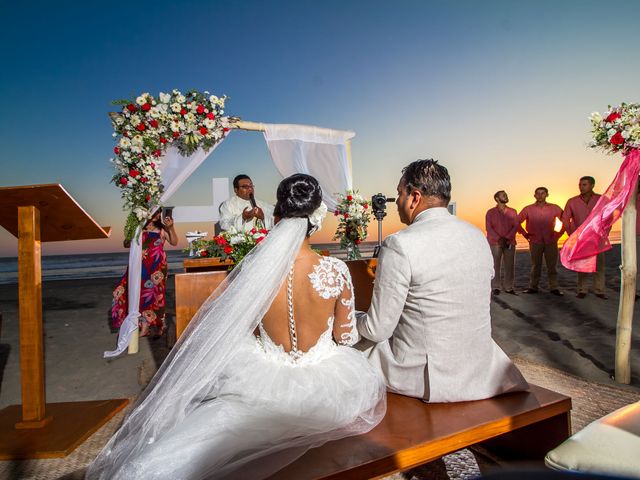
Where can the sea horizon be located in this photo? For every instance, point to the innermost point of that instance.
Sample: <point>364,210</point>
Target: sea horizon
<point>113,264</point>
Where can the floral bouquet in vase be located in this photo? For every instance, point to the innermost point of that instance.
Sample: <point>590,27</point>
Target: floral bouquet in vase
<point>354,214</point>
<point>618,129</point>
<point>230,245</point>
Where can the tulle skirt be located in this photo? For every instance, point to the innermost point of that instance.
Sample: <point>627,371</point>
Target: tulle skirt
<point>264,413</point>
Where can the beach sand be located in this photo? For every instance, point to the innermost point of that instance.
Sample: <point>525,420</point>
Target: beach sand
<point>566,333</point>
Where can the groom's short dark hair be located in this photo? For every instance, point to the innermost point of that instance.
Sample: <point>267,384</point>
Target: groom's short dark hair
<point>429,177</point>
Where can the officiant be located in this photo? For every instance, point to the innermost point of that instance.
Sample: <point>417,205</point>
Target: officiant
<point>243,211</point>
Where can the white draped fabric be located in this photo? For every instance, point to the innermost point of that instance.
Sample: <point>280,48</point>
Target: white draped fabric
<point>175,170</point>
<point>320,152</point>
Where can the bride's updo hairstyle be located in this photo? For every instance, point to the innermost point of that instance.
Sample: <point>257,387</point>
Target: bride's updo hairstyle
<point>298,196</point>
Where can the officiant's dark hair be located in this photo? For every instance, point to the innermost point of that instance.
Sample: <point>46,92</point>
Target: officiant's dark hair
<point>429,177</point>
<point>297,197</point>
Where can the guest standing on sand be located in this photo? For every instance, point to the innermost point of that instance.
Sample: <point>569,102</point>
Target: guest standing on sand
<point>540,231</point>
<point>153,281</point>
<point>502,225</point>
<point>575,213</point>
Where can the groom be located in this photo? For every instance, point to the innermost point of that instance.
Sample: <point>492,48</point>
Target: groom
<point>429,318</point>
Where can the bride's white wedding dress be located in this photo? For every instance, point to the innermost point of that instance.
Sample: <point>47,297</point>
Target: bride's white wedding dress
<point>267,405</point>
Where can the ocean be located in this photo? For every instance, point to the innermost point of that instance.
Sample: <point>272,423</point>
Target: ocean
<point>113,265</point>
<point>108,265</point>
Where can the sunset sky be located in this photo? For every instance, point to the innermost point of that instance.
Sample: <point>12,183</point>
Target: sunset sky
<point>499,91</point>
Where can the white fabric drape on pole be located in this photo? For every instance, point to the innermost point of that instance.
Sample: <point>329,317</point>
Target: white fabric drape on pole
<point>175,170</point>
<point>320,152</point>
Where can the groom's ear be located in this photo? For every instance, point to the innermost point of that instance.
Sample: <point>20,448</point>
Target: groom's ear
<point>416,199</point>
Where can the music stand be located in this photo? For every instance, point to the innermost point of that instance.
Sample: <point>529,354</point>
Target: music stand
<point>35,429</point>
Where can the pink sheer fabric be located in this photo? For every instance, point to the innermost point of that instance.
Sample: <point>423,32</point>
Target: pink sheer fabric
<point>592,237</point>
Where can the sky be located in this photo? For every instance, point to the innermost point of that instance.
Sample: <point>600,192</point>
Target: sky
<point>498,91</point>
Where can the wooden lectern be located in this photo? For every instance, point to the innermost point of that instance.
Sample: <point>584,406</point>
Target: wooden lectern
<point>35,429</point>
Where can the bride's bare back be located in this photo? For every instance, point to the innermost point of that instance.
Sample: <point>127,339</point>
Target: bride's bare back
<point>321,292</point>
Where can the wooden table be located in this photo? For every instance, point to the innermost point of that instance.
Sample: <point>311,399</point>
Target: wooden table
<point>203,275</point>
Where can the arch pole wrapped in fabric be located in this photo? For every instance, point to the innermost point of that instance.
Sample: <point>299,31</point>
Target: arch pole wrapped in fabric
<point>618,131</point>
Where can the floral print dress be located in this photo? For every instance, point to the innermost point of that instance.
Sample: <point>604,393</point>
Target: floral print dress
<point>152,288</point>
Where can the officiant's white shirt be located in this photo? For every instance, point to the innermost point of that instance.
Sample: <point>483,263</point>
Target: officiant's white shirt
<point>231,214</point>
<point>430,316</point>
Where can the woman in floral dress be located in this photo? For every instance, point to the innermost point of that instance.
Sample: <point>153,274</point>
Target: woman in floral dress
<point>153,281</point>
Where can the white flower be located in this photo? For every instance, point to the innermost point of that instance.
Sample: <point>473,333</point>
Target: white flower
<point>595,117</point>
<point>180,98</point>
<point>318,215</point>
<point>142,99</point>
<point>209,123</point>
<point>611,132</point>
<point>190,117</point>
<point>137,141</point>
<point>135,120</point>
<point>213,99</point>
<point>125,142</point>
<point>165,97</point>
<point>176,107</point>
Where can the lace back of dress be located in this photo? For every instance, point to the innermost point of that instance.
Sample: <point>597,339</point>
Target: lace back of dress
<point>294,353</point>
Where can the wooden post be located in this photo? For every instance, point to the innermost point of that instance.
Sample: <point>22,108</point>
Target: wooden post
<point>627,291</point>
<point>31,334</point>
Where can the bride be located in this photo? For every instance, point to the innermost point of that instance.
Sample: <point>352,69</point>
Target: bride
<point>263,372</point>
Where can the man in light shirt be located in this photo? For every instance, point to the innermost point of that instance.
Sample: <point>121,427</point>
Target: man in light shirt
<point>575,213</point>
<point>502,224</point>
<point>242,211</point>
<point>540,231</point>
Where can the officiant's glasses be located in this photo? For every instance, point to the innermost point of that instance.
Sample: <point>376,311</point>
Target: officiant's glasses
<point>379,206</point>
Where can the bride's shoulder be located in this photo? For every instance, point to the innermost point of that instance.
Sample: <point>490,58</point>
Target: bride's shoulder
<point>329,276</point>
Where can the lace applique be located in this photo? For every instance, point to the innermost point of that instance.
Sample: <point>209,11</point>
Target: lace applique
<point>352,336</point>
<point>329,277</point>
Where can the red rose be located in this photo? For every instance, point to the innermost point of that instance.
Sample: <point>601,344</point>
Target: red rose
<point>157,153</point>
<point>154,123</point>
<point>203,130</point>
<point>346,215</point>
<point>147,198</point>
<point>210,116</point>
<point>365,206</point>
<point>153,165</point>
<point>225,129</point>
<point>228,249</point>
<point>133,172</point>
<point>126,134</point>
<point>200,109</point>
<point>220,241</point>
<point>183,112</point>
<point>163,140</point>
<point>116,150</point>
<point>176,134</point>
<point>357,241</point>
<point>617,139</point>
<point>123,181</point>
<point>259,239</point>
<point>131,107</point>
<point>612,117</point>
<point>204,253</point>
<point>336,213</point>
<point>146,107</point>
<point>349,198</point>
<point>143,180</point>
<point>253,231</point>
<point>264,231</point>
<point>140,127</point>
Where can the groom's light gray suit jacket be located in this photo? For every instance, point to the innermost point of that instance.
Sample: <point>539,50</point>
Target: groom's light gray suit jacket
<point>430,317</point>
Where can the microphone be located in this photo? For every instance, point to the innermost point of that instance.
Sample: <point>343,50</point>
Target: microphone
<point>252,199</point>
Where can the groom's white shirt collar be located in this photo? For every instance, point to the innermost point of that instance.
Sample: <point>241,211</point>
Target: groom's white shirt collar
<point>431,213</point>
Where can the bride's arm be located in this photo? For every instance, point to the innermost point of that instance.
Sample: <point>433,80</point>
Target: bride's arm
<point>345,331</point>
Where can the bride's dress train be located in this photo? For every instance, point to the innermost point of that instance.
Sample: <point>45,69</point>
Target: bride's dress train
<point>267,406</point>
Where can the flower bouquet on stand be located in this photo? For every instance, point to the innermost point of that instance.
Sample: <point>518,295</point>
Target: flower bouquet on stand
<point>230,245</point>
<point>354,215</point>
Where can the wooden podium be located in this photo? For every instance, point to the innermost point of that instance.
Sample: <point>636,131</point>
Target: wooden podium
<point>35,429</point>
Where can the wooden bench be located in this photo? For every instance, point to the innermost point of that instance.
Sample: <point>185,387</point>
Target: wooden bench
<point>522,425</point>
